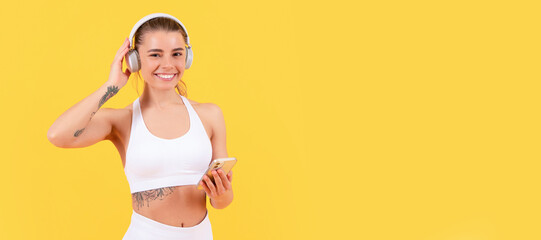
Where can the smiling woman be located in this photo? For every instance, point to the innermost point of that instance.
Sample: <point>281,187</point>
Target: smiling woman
<point>165,140</point>
<point>162,29</point>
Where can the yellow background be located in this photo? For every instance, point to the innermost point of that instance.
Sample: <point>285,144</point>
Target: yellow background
<point>349,119</point>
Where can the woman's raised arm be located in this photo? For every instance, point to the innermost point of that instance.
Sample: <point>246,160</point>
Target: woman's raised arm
<point>84,123</point>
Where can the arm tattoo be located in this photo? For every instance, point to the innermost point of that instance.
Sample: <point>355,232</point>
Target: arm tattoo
<point>111,91</point>
<point>141,197</point>
<point>78,132</point>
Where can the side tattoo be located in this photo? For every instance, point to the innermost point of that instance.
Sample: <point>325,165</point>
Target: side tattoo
<point>146,196</point>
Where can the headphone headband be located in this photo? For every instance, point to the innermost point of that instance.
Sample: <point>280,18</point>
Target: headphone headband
<point>155,15</point>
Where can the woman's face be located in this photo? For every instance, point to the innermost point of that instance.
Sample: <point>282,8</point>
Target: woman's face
<point>162,55</point>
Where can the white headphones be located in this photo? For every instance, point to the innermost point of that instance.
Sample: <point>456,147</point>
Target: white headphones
<point>132,57</point>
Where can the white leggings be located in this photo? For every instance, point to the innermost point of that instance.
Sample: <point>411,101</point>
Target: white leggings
<point>143,228</point>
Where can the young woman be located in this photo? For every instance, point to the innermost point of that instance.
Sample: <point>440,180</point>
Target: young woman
<point>166,141</point>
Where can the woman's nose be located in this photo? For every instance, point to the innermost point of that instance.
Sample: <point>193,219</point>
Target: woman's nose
<point>167,61</point>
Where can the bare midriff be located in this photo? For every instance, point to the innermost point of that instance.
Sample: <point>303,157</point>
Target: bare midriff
<point>179,206</point>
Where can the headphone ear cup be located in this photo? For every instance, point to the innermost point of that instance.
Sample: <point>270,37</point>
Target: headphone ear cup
<point>133,61</point>
<point>189,57</point>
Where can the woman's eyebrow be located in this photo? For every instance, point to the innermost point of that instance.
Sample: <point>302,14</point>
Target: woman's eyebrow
<point>159,50</point>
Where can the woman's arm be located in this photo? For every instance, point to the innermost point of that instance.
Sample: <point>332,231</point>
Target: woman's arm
<point>82,124</point>
<point>72,128</point>
<point>220,193</point>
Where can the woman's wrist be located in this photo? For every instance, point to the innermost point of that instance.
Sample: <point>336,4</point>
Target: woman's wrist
<point>223,200</point>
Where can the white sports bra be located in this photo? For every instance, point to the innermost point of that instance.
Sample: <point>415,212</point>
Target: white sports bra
<point>153,162</point>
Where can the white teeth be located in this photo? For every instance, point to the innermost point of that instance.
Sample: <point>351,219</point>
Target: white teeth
<point>165,76</point>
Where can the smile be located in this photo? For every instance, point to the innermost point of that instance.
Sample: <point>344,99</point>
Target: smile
<point>166,77</point>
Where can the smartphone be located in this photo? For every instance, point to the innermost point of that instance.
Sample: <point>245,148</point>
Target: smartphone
<point>220,163</point>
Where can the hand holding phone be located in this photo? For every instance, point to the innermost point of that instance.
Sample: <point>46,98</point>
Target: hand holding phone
<point>226,164</point>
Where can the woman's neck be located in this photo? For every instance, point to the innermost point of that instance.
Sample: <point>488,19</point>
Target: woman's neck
<point>161,99</point>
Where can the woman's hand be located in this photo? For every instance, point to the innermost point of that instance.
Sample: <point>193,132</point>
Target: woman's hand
<point>220,193</point>
<point>116,76</point>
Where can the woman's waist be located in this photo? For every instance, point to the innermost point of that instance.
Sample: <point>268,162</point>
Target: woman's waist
<point>177,206</point>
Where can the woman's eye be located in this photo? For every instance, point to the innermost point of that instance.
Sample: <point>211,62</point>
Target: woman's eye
<point>177,54</point>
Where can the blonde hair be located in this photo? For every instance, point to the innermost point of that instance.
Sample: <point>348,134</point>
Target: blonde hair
<point>156,24</point>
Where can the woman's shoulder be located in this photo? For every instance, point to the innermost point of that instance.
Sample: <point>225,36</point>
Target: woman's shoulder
<point>206,107</point>
<point>208,112</point>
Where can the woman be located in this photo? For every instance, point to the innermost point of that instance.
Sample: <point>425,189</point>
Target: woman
<point>165,140</point>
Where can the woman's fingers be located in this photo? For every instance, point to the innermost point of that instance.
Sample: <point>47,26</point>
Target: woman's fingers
<point>116,75</point>
<point>218,181</point>
<point>207,190</point>
<point>222,183</point>
<point>230,175</point>
<point>210,185</point>
<point>120,57</point>
<point>122,46</point>
<point>224,180</point>
<point>121,52</point>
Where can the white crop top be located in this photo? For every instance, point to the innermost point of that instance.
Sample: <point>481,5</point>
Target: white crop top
<point>153,162</point>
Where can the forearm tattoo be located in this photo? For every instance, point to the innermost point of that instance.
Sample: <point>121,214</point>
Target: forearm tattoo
<point>146,196</point>
<point>111,91</point>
